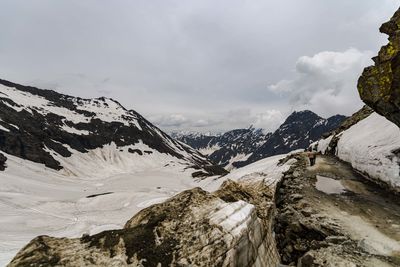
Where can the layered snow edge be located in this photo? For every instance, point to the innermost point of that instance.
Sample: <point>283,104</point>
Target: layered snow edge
<point>371,146</point>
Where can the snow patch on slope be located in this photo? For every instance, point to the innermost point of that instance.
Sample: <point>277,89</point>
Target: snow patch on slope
<point>209,150</point>
<point>369,146</point>
<point>323,144</point>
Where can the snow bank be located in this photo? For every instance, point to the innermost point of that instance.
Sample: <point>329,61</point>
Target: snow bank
<point>323,144</point>
<point>267,170</point>
<point>369,146</point>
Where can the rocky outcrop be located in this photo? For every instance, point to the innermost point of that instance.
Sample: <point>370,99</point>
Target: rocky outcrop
<point>3,160</point>
<point>231,227</point>
<point>379,85</point>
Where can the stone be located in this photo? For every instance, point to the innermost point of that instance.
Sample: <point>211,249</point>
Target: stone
<point>336,239</point>
<point>3,160</point>
<point>379,85</point>
<point>306,261</point>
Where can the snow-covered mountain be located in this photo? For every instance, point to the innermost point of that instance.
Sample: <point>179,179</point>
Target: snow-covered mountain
<point>70,166</point>
<point>46,127</point>
<point>227,148</point>
<point>241,147</point>
<point>298,131</point>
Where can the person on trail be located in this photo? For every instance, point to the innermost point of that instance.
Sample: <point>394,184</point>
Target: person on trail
<point>311,156</point>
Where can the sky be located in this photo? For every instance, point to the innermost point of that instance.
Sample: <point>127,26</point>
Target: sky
<point>197,65</point>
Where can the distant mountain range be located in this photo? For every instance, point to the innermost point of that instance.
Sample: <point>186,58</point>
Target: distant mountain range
<point>241,147</point>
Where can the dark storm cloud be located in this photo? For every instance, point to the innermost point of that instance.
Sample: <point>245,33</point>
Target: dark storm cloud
<point>197,59</point>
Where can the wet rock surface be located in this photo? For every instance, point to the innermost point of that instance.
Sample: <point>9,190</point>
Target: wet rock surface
<point>358,227</point>
<point>379,85</point>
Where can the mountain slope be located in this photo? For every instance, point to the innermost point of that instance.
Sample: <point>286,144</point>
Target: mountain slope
<point>43,125</point>
<point>73,166</point>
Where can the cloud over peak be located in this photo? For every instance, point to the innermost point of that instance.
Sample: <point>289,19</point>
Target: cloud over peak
<point>325,82</point>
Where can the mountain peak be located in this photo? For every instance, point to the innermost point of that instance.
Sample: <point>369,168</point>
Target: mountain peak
<point>299,116</point>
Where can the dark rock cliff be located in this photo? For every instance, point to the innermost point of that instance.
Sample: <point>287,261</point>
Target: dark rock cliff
<point>379,85</point>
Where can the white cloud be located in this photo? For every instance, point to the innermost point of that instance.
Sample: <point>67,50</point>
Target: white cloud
<point>269,120</point>
<point>172,120</point>
<point>326,82</point>
<point>200,59</point>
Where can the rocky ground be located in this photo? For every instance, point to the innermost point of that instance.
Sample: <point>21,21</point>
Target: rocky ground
<point>329,215</point>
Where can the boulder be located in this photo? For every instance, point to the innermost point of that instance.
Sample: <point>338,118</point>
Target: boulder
<point>379,85</point>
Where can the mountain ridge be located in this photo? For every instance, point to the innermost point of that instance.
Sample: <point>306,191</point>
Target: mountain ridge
<point>240,147</point>
<point>35,123</point>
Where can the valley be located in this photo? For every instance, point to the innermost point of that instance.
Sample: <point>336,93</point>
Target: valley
<point>88,182</point>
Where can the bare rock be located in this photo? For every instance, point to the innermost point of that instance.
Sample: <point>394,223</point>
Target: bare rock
<point>379,85</point>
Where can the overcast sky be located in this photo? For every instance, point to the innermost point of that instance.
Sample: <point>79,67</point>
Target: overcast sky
<point>197,64</point>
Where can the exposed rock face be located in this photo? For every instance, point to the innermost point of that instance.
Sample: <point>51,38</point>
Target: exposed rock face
<point>379,85</point>
<point>3,160</point>
<point>36,123</point>
<point>227,148</point>
<point>231,227</point>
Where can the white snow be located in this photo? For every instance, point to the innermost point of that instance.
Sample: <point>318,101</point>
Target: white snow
<point>238,157</point>
<point>35,200</point>
<point>74,130</point>
<point>266,170</point>
<point>105,109</point>
<point>329,185</point>
<point>4,128</point>
<point>209,150</point>
<point>368,146</point>
<point>323,144</point>
<point>233,217</point>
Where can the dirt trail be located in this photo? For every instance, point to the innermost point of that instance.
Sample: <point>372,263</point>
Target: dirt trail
<point>369,213</point>
<point>332,216</point>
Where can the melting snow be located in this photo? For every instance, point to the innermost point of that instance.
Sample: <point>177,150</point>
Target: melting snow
<point>329,185</point>
<point>369,145</point>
